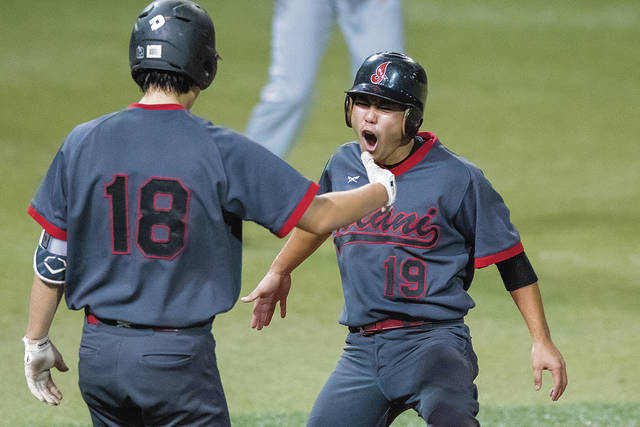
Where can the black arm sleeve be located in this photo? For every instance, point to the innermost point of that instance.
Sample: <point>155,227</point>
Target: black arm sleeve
<point>516,272</point>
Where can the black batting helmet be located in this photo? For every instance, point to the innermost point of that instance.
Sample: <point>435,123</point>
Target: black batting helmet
<point>396,77</point>
<point>175,35</point>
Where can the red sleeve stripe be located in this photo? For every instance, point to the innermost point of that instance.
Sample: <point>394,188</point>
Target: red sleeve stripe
<point>54,231</point>
<point>299,211</point>
<point>500,256</point>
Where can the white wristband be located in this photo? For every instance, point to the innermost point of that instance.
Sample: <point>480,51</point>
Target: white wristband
<point>36,345</point>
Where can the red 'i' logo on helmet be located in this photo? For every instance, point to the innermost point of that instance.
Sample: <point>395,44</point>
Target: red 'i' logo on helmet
<point>379,75</point>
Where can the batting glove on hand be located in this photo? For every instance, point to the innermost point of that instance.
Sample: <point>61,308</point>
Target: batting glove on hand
<point>39,357</point>
<point>380,175</point>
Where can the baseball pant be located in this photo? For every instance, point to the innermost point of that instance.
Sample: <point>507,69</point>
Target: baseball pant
<point>379,376</point>
<point>300,31</point>
<point>142,377</point>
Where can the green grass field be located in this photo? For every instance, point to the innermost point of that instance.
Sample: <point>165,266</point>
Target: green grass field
<point>542,95</point>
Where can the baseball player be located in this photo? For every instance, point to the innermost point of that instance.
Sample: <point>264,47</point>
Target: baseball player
<point>142,214</point>
<point>406,269</point>
<point>299,35</point>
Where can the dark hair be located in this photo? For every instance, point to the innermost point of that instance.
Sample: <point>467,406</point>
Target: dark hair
<point>167,81</point>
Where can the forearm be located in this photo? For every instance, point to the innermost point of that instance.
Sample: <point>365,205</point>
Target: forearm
<point>331,211</point>
<point>529,302</point>
<point>299,247</point>
<point>42,308</point>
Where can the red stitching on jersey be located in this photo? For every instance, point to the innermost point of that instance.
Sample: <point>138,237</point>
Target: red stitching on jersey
<point>153,230</point>
<point>430,140</point>
<point>157,106</point>
<point>413,285</point>
<point>400,241</point>
<point>390,282</point>
<point>500,256</point>
<point>184,219</point>
<point>54,231</point>
<point>299,211</point>
<point>397,221</point>
<point>164,195</point>
<point>126,201</point>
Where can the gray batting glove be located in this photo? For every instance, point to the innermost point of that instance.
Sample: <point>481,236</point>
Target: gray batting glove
<point>380,175</point>
<point>39,357</point>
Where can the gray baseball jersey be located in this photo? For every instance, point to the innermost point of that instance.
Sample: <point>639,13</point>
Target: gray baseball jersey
<point>151,200</point>
<point>417,259</point>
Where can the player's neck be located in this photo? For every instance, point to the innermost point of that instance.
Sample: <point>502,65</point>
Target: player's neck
<point>154,97</point>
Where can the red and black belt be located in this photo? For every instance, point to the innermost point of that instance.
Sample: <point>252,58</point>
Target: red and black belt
<point>94,320</point>
<point>388,324</point>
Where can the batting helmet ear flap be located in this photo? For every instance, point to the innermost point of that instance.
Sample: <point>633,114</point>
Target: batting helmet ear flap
<point>211,67</point>
<point>412,122</point>
<point>348,106</point>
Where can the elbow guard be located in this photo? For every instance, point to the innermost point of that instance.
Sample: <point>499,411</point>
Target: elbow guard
<point>50,259</point>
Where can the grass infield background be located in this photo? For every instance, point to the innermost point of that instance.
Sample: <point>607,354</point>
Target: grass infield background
<point>542,95</point>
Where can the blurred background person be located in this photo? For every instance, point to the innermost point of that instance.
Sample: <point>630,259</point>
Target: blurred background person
<point>300,31</point>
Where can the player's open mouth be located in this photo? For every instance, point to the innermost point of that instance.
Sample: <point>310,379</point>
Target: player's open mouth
<point>370,140</point>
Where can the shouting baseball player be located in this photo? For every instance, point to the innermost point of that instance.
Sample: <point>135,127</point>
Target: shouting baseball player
<point>406,269</point>
<point>142,213</point>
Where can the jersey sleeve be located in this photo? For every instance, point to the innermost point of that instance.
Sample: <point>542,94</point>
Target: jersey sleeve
<point>325,180</point>
<point>484,219</point>
<point>263,188</point>
<point>49,205</point>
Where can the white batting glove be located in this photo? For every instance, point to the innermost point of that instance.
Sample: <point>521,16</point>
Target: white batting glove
<point>380,175</point>
<point>39,357</point>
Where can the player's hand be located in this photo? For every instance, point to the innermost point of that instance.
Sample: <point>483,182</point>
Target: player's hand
<point>545,355</point>
<point>380,175</point>
<point>273,288</point>
<point>39,357</point>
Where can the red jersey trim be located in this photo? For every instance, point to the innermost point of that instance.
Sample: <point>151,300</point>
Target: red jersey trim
<point>157,106</point>
<point>500,256</point>
<point>415,158</point>
<point>299,211</point>
<point>54,231</point>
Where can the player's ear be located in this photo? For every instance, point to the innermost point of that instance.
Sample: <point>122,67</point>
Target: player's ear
<point>411,122</point>
<point>348,106</point>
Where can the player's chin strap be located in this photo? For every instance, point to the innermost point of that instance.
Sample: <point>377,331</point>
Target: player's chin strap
<point>380,175</point>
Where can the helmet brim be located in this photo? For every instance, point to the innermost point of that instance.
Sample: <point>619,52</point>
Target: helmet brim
<point>386,93</point>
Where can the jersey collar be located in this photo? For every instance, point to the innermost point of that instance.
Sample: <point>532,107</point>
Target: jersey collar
<point>157,106</point>
<point>429,139</point>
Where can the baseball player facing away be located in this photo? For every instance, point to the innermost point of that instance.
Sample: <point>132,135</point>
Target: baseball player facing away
<point>406,269</point>
<point>142,213</point>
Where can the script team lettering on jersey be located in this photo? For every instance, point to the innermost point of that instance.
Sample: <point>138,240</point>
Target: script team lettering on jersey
<point>389,227</point>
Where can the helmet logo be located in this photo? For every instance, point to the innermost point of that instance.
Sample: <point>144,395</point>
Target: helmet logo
<point>156,22</point>
<point>380,73</point>
<point>154,51</point>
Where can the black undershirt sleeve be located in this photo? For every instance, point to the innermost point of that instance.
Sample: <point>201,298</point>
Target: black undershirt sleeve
<point>517,272</point>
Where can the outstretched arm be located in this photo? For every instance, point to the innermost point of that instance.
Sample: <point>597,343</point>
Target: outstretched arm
<point>326,213</point>
<point>275,285</point>
<point>544,354</point>
<point>330,211</point>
